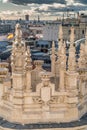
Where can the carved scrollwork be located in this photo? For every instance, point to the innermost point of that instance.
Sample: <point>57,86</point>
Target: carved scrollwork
<point>37,100</point>
<point>53,100</point>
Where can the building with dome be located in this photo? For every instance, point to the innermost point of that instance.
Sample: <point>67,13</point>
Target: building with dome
<point>33,98</point>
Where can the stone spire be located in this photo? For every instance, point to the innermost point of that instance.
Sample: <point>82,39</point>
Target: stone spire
<point>60,36</point>
<point>72,36</point>
<point>28,69</point>
<point>60,32</point>
<point>72,58</point>
<point>18,50</point>
<point>53,47</point>
<point>18,33</point>
<point>60,40</point>
<point>28,59</point>
<point>62,57</point>
<point>62,67</point>
<point>60,44</point>
<point>53,59</point>
<point>82,61</point>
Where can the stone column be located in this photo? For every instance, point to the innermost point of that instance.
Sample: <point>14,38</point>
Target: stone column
<point>28,69</point>
<point>28,79</point>
<point>53,59</point>
<point>62,67</point>
<point>61,81</point>
<point>72,94</point>
<point>45,90</point>
<point>18,75</point>
<point>72,56</point>
<point>3,75</point>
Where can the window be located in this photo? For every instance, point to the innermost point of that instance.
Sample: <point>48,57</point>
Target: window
<point>74,31</point>
<point>46,46</point>
<point>42,46</point>
<point>69,32</point>
<point>83,32</point>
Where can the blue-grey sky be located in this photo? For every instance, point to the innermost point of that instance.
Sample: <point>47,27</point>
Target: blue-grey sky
<point>47,9</point>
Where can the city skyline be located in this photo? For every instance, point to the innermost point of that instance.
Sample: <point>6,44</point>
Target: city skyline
<point>46,9</point>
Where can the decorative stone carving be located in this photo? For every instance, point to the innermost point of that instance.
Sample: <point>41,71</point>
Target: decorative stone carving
<point>60,36</point>
<point>18,33</point>
<point>53,59</point>
<point>28,96</point>
<point>72,59</point>
<point>28,59</point>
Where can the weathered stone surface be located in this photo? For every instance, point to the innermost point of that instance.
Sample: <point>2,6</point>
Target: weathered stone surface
<point>29,98</point>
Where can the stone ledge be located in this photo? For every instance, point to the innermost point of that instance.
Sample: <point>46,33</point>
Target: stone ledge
<point>8,125</point>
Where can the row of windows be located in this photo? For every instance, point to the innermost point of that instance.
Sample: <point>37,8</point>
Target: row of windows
<point>69,32</point>
<point>42,46</point>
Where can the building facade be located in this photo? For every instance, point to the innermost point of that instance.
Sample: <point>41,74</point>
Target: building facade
<point>50,31</point>
<point>38,99</point>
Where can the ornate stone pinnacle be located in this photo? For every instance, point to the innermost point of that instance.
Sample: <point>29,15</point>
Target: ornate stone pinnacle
<point>62,57</point>
<point>38,63</point>
<point>72,57</point>
<point>53,47</point>
<point>28,59</point>
<point>18,33</point>
<point>60,37</point>
<point>28,50</point>
<point>53,44</point>
<point>60,32</point>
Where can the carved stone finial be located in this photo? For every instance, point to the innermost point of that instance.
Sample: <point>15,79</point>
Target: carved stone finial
<point>28,50</point>
<point>53,47</point>
<point>53,59</point>
<point>28,59</point>
<point>60,36</point>
<point>62,57</point>
<point>60,32</point>
<point>45,76</point>
<point>38,64</point>
<point>18,33</point>
<point>72,57</point>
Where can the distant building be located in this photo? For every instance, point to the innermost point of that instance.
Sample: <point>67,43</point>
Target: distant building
<point>36,29</point>
<point>80,25</point>
<point>50,31</point>
<point>27,17</point>
<point>5,28</point>
<point>83,18</point>
<point>79,31</point>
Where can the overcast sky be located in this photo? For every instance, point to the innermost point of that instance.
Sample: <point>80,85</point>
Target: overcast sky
<point>46,9</point>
